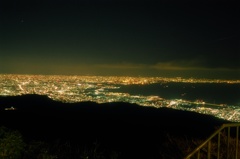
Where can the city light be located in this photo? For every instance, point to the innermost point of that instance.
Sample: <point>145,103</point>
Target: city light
<point>103,89</point>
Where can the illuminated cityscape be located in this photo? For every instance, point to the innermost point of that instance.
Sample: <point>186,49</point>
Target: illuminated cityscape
<point>102,89</point>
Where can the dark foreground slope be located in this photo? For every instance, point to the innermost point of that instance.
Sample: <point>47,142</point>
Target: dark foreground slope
<point>135,131</point>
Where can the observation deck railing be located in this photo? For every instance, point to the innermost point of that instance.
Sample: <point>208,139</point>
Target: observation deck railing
<point>222,144</point>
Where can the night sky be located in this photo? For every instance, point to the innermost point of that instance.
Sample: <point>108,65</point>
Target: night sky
<point>121,37</point>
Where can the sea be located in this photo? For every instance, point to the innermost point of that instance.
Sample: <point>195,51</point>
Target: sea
<point>216,93</point>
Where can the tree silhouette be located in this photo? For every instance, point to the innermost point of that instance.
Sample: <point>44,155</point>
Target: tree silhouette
<point>11,144</point>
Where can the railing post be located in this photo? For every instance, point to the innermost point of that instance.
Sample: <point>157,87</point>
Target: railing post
<point>198,155</point>
<point>218,150</point>
<point>209,150</point>
<point>237,129</point>
<point>228,138</point>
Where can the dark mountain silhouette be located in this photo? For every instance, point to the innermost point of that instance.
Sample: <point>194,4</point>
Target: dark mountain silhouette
<point>124,126</point>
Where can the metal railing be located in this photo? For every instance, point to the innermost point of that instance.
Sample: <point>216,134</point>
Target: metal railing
<point>222,144</point>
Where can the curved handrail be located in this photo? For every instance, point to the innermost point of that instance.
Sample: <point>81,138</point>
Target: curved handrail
<point>228,125</point>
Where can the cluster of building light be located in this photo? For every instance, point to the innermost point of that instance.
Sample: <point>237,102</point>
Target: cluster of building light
<point>102,89</point>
